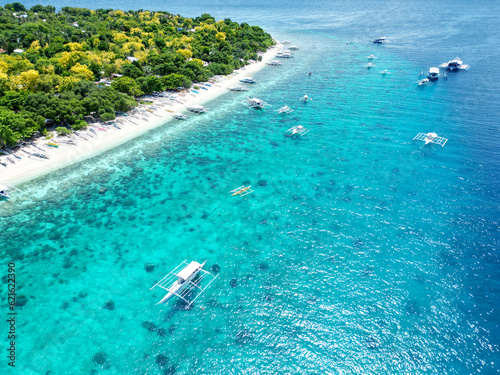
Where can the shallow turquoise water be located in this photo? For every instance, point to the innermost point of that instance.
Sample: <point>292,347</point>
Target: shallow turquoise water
<point>360,251</point>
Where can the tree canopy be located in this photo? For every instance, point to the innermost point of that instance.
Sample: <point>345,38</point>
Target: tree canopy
<point>60,65</point>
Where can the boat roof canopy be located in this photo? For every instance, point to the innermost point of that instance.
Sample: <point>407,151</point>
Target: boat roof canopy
<point>434,70</point>
<point>188,270</point>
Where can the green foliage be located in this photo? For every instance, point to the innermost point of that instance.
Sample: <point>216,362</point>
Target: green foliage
<point>66,51</point>
<point>61,130</point>
<point>107,116</point>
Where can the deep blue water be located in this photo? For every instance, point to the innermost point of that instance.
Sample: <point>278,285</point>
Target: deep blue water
<point>360,251</point>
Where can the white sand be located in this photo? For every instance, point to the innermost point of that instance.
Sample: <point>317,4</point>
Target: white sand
<point>140,120</point>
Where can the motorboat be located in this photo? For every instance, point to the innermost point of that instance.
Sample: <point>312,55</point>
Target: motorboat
<point>455,64</point>
<point>305,98</point>
<point>274,63</point>
<point>247,80</point>
<point>179,281</point>
<point>433,73</point>
<point>196,108</point>
<point>255,103</point>
<point>380,40</point>
<point>431,138</point>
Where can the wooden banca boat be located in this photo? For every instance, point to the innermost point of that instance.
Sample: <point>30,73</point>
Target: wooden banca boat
<point>242,191</point>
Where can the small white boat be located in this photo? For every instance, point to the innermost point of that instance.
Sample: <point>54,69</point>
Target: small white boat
<point>242,191</point>
<point>284,55</point>
<point>255,103</point>
<point>238,88</point>
<point>371,57</point>
<point>293,48</point>
<point>285,42</point>
<point>179,116</point>
<point>431,138</point>
<point>305,98</point>
<point>247,80</point>
<point>433,73</point>
<point>7,189</point>
<point>370,65</point>
<point>385,72</point>
<point>196,108</point>
<point>285,109</point>
<point>424,82</point>
<point>298,130</point>
<point>380,40</point>
<point>455,64</point>
<point>179,281</point>
<point>274,63</point>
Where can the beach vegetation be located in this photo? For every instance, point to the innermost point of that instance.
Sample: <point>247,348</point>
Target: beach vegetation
<point>77,62</point>
<point>61,130</point>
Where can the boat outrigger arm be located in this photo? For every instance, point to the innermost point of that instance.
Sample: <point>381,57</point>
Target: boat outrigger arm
<point>168,282</point>
<point>242,191</point>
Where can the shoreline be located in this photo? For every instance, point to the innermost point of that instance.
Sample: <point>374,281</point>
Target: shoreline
<point>100,137</point>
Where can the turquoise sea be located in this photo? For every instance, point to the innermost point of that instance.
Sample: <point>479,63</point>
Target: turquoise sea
<point>360,251</point>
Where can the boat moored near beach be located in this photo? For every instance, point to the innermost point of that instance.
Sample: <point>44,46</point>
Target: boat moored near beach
<point>7,189</point>
<point>255,103</point>
<point>293,48</point>
<point>238,88</point>
<point>431,138</point>
<point>196,108</point>
<point>248,80</point>
<point>274,63</point>
<point>179,116</point>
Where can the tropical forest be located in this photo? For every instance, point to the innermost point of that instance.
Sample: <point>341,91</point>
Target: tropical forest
<point>66,67</point>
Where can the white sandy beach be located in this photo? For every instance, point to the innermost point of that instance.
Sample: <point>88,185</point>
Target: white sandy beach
<point>100,137</point>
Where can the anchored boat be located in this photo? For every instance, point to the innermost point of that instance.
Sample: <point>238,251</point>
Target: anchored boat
<point>179,282</point>
<point>431,138</point>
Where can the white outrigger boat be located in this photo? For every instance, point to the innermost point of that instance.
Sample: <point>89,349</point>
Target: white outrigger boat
<point>274,63</point>
<point>179,116</point>
<point>305,98</point>
<point>255,103</point>
<point>248,80</point>
<point>293,48</point>
<point>238,88</point>
<point>284,55</point>
<point>371,57</point>
<point>242,191</point>
<point>179,282</point>
<point>431,138</point>
<point>455,64</point>
<point>370,65</point>
<point>298,130</point>
<point>196,108</point>
<point>385,72</point>
<point>424,82</point>
<point>285,109</point>
<point>433,73</point>
<point>5,189</point>
<point>285,42</point>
